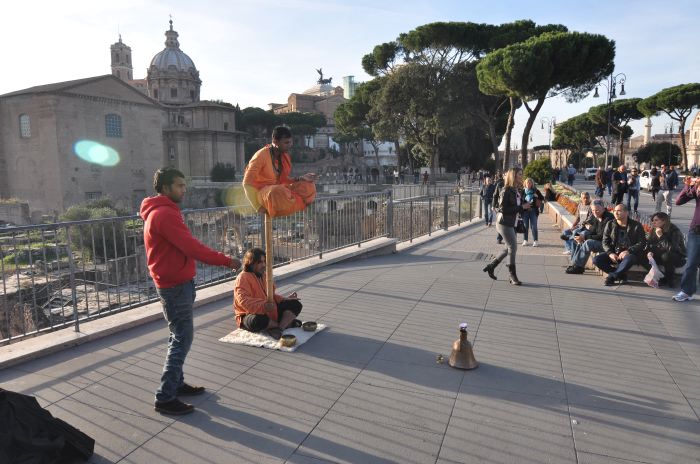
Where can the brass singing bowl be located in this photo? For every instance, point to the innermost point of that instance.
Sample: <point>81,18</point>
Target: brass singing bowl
<point>288,340</point>
<point>309,326</point>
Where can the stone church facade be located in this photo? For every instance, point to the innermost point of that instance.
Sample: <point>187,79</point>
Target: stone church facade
<point>150,123</point>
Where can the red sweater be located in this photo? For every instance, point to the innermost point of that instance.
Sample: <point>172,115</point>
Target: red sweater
<point>171,250</point>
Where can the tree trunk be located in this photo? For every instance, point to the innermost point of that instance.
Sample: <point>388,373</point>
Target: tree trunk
<point>681,129</point>
<point>494,146</point>
<point>528,126</point>
<point>509,131</point>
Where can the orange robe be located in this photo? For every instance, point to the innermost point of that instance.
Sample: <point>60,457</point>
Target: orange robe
<point>250,296</point>
<point>268,185</point>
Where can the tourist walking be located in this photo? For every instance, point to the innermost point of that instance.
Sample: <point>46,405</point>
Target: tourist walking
<point>633,191</point>
<point>689,280</point>
<point>486,193</point>
<point>669,181</point>
<point>509,204</point>
<point>535,198</point>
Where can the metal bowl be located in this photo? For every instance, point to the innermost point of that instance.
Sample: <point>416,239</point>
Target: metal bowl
<point>288,340</point>
<point>309,326</point>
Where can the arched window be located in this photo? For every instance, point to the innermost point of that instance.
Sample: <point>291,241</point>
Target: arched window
<point>25,128</point>
<point>113,125</point>
<point>173,92</point>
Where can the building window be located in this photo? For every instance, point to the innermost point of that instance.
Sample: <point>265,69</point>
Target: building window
<point>119,74</point>
<point>171,153</point>
<point>128,59</point>
<point>192,94</point>
<point>113,125</point>
<point>25,128</point>
<point>225,125</point>
<point>89,196</point>
<point>155,93</point>
<point>173,92</point>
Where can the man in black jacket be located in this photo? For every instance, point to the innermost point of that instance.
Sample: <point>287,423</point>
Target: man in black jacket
<point>623,244</point>
<point>585,244</point>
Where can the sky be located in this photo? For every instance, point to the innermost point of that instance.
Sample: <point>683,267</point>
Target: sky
<point>258,52</point>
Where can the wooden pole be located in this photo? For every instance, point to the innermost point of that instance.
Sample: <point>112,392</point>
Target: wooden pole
<point>269,258</point>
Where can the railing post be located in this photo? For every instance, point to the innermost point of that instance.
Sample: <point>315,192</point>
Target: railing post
<point>470,206</point>
<point>71,267</point>
<point>410,222</point>
<point>481,208</point>
<point>390,215</point>
<point>444,214</point>
<point>430,216</point>
<point>459,208</point>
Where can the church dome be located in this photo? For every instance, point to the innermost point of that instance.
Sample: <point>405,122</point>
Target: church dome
<point>172,55</point>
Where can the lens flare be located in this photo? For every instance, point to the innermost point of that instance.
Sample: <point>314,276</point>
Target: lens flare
<point>96,153</point>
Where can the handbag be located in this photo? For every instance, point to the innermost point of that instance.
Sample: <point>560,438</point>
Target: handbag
<point>519,225</point>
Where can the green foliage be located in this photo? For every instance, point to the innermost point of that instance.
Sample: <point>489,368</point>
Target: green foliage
<point>223,173</point>
<point>677,102</point>
<point>578,133</point>
<point>540,170</point>
<point>107,235</point>
<point>303,124</point>
<point>657,153</point>
<point>258,122</point>
<point>550,64</point>
<point>433,99</point>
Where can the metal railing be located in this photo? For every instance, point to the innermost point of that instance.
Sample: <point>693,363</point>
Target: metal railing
<point>58,275</point>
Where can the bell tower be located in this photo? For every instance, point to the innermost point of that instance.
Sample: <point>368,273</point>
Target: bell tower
<point>121,60</point>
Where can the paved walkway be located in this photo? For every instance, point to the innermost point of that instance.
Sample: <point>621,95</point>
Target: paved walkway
<point>571,371</point>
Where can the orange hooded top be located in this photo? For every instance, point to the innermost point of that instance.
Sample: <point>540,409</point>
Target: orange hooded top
<point>261,172</point>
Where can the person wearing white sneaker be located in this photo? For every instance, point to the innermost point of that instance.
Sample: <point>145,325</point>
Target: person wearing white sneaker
<point>534,244</point>
<point>535,198</point>
<point>689,281</point>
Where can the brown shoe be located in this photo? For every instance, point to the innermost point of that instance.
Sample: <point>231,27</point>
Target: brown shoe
<point>189,390</point>
<point>173,407</point>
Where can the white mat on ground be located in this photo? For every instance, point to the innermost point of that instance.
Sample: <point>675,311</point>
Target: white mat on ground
<point>244,337</point>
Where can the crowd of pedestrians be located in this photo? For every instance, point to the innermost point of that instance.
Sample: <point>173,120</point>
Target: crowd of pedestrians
<point>616,238</point>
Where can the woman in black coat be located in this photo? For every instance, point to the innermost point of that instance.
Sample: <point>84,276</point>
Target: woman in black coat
<point>508,202</point>
<point>665,244</point>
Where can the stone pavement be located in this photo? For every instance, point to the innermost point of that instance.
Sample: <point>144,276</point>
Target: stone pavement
<point>571,371</point>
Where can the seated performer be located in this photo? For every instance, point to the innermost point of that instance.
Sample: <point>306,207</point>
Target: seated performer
<point>253,311</point>
<point>267,183</point>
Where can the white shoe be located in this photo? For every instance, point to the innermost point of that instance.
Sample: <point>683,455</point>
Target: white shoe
<point>524,242</point>
<point>534,244</point>
<point>682,296</point>
<point>566,252</point>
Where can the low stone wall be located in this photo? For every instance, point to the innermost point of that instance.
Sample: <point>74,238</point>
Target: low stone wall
<point>15,213</point>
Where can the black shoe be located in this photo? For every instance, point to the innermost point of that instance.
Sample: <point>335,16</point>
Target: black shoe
<point>499,242</point>
<point>189,390</point>
<point>295,323</point>
<point>275,333</point>
<point>173,407</point>
<point>575,270</point>
<point>609,281</point>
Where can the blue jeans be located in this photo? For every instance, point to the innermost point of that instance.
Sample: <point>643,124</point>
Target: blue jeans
<point>570,244</point>
<point>689,281</point>
<point>488,211</point>
<point>530,220</point>
<point>632,194</point>
<point>177,309</point>
<point>609,188</point>
<point>603,262</point>
<point>581,252</point>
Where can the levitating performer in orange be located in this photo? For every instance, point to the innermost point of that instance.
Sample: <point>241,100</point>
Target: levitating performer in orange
<point>267,183</point>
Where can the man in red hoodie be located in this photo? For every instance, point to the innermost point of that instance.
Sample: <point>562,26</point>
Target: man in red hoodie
<point>171,251</point>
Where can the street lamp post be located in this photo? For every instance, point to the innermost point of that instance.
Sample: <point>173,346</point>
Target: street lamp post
<point>611,85</point>
<point>551,123</point>
<point>668,129</point>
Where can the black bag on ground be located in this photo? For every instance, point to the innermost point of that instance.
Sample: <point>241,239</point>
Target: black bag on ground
<point>31,435</point>
<point>519,226</point>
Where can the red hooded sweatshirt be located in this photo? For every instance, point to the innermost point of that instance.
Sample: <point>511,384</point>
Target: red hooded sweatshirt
<point>171,250</point>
